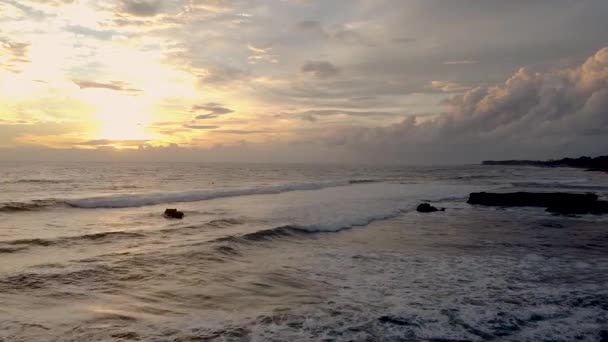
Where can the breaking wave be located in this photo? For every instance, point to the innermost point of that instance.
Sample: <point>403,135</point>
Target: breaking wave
<point>140,200</point>
<point>144,199</point>
<point>296,230</point>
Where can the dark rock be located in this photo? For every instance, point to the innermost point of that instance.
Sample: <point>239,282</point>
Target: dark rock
<point>427,208</point>
<point>531,199</point>
<point>174,213</point>
<point>556,202</point>
<point>396,321</point>
<point>596,208</point>
<point>591,164</point>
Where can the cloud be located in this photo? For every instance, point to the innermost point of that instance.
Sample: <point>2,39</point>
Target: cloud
<point>141,8</point>
<point>85,31</point>
<point>241,131</point>
<point>314,27</point>
<point>403,40</point>
<point>320,69</point>
<point>213,111</point>
<point>556,113</point>
<point>13,54</point>
<point>109,142</point>
<point>261,53</point>
<point>447,86</point>
<point>459,62</point>
<point>342,35</point>
<point>348,36</point>
<point>201,127</point>
<point>312,115</point>
<point>113,85</point>
<point>220,75</point>
<point>54,2</point>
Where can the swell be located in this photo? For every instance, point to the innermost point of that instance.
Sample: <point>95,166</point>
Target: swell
<point>23,244</point>
<point>12,246</point>
<point>145,199</point>
<point>36,181</point>
<point>140,200</point>
<point>40,204</point>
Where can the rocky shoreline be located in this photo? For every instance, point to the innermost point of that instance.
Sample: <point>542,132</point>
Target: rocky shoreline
<point>591,164</point>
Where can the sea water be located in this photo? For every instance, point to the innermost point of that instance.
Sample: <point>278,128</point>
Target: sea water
<point>295,253</point>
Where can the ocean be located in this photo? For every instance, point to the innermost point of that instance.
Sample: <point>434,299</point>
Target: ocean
<point>295,253</point>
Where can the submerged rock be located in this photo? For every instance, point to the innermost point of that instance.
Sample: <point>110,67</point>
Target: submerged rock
<point>556,202</point>
<point>427,208</point>
<point>174,213</point>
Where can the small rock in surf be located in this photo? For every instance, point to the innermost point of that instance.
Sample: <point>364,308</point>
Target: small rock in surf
<point>427,208</point>
<point>174,213</point>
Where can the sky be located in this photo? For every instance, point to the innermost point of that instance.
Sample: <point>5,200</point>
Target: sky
<point>374,81</point>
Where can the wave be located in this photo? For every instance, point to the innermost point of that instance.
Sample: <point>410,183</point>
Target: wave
<point>140,200</point>
<point>296,230</point>
<point>364,181</point>
<point>8,207</point>
<point>12,246</point>
<point>265,234</point>
<point>473,177</point>
<point>37,181</point>
<point>144,199</point>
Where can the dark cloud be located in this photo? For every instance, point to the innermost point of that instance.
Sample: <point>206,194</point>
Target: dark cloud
<point>532,114</point>
<point>220,75</point>
<point>113,85</point>
<point>141,8</point>
<point>320,69</point>
<point>201,127</point>
<point>241,131</point>
<point>85,31</point>
<point>312,115</point>
<point>213,111</point>
<point>309,25</point>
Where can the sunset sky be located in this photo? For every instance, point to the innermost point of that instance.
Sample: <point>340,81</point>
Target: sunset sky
<point>303,80</point>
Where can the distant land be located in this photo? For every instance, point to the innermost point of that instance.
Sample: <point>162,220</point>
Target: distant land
<point>591,164</point>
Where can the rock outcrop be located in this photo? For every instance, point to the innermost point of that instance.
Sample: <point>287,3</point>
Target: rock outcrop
<point>427,208</point>
<point>556,202</point>
<point>174,213</point>
<point>591,164</point>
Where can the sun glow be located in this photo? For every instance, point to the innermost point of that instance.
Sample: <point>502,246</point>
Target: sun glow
<point>120,117</point>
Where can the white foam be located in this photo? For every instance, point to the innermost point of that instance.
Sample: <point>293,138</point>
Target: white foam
<point>140,200</point>
<point>338,208</point>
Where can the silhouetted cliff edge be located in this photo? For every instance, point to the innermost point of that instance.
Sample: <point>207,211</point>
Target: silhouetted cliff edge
<point>592,164</point>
